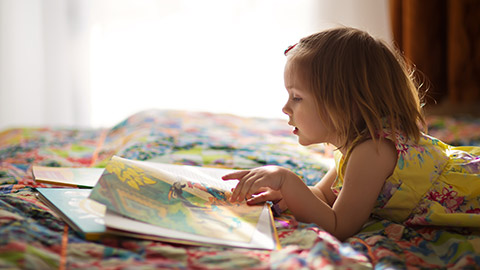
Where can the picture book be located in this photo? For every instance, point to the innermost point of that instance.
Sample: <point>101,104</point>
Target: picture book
<point>66,176</point>
<point>72,205</point>
<point>180,203</point>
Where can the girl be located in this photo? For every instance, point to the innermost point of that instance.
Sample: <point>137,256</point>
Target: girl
<point>349,89</point>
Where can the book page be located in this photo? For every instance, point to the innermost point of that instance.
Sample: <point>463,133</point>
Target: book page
<point>262,238</point>
<point>182,198</point>
<point>209,176</point>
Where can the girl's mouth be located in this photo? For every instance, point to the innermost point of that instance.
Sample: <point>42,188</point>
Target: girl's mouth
<point>295,130</point>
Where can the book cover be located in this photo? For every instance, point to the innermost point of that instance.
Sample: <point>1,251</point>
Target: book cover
<point>72,205</point>
<point>261,239</point>
<point>66,176</point>
<point>182,203</point>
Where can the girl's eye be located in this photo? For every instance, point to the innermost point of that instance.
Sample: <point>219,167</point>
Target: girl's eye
<point>296,99</point>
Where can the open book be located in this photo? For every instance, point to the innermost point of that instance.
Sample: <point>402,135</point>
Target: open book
<point>181,204</point>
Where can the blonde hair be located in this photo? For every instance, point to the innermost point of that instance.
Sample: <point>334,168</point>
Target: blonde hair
<point>361,85</point>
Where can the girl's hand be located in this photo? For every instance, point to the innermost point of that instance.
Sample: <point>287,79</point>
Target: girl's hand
<point>274,196</point>
<point>263,195</point>
<point>265,181</point>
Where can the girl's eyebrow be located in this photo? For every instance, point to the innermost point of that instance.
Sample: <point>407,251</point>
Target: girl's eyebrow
<point>291,89</point>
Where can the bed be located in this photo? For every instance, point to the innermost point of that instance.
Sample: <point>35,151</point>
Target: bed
<point>33,237</point>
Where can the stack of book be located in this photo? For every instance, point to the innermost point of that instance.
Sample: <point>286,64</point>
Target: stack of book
<point>163,202</point>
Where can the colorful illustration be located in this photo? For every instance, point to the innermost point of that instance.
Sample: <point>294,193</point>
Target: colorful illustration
<point>176,201</point>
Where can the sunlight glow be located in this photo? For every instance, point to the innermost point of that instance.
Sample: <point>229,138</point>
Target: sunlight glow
<point>210,55</point>
<point>196,57</point>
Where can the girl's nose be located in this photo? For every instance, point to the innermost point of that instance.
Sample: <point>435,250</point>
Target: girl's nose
<point>286,110</point>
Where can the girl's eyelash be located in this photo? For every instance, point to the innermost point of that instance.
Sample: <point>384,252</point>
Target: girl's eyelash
<point>296,99</point>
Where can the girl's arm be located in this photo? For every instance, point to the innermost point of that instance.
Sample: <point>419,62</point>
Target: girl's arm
<point>367,169</point>
<point>323,189</point>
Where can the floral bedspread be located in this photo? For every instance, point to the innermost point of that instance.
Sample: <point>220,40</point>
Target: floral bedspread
<point>33,237</point>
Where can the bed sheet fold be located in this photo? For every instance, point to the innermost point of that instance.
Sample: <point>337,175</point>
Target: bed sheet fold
<point>32,237</point>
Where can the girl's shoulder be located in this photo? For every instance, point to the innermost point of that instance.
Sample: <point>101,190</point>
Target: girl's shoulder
<point>392,144</point>
<point>375,149</point>
<point>381,155</point>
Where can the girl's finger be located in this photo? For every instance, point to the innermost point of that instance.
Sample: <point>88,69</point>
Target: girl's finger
<point>246,191</point>
<point>237,192</point>
<point>235,175</point>
<point>261,198</point>
<point>254,187</point>
<point>261,190</point>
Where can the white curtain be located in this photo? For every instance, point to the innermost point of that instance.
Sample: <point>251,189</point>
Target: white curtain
<point>43,64</point>
<point>92,63</point>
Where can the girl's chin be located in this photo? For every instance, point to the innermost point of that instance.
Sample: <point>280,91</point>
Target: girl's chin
<point>307,142</point>
<point>304,143</point>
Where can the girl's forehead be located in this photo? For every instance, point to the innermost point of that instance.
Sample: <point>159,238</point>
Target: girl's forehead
<point>292,69</point>
<point>294,75</point>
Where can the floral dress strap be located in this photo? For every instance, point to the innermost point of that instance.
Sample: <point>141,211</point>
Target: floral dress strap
<point>340,164</point>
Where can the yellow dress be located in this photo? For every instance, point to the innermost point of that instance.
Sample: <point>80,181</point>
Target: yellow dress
<point>433,183</point>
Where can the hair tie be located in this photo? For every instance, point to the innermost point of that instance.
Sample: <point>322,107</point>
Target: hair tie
<point>290,48</point>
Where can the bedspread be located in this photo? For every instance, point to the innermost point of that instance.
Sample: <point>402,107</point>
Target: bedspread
<point>33,237</point>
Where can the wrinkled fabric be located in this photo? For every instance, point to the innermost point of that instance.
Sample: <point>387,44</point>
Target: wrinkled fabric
<point>33,237</point>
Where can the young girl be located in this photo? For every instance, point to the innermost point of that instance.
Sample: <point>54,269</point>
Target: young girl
<point>349,89</point>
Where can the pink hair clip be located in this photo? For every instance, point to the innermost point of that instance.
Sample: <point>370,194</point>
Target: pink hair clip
<point>290,48</point>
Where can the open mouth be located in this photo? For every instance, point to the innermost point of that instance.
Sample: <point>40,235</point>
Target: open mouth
<point>295,129</point>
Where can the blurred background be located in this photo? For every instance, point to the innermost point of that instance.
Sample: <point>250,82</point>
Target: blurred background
<point>92,63</point>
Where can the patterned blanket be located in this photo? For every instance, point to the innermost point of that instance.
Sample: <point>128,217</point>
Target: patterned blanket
<point>33,237</point>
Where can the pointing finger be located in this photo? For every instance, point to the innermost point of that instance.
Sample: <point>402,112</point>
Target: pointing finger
<point>235,175</point>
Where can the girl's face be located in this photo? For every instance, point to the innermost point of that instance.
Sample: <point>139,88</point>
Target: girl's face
<point>302,109</point>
